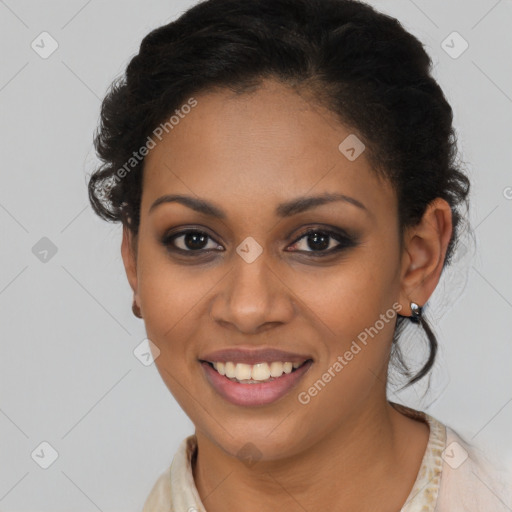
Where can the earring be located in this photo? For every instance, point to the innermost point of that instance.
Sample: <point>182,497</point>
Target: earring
<point>416,313</point>
<point>136,309</point>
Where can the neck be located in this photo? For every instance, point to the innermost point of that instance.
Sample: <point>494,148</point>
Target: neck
<point>370,462</point>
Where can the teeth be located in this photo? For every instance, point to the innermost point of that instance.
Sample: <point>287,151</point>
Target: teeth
<point>230,370</point>
<point>242,371</point>
<point>257,372</point>
<point>260,371</point>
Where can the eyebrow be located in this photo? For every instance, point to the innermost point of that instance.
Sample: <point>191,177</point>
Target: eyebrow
<point>286,209</point>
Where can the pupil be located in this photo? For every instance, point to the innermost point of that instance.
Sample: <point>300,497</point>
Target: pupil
<point>191,240</point>
<point>315,237</point>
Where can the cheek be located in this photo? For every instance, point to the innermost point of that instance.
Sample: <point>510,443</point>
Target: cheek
<point>355,319</point>
<point>352,306</point>
<point>346,297</point>
<point>172,300</point>
<point>170,292</point>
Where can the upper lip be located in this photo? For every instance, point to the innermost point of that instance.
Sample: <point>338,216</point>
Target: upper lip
<point>253,356</point>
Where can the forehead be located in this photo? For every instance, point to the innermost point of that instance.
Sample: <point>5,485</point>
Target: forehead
<point>265,146</point>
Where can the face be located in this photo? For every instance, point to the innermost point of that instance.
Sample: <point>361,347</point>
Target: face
<point>255,279</point>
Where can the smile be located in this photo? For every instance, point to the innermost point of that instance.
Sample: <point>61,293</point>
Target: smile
<point>254,384</point>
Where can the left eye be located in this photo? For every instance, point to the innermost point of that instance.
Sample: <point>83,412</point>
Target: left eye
<point>322,241</point>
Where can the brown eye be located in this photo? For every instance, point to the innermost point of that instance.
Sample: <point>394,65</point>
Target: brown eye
<point>322,242</point>
<point>191,240</point>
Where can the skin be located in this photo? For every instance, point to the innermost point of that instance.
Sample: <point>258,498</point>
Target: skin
<point>347,449</point>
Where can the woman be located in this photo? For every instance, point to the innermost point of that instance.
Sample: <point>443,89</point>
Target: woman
<point>285,174</point>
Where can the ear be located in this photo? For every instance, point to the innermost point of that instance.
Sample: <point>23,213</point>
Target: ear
<point>423,255</point>
<point>129,254</point>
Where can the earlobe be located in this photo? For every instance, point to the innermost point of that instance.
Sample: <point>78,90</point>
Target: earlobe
<point>425,248</point>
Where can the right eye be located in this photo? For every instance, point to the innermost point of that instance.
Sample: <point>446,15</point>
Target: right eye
<point>189,241</point>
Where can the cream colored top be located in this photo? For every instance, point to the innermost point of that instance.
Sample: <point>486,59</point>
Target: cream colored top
<point>454,477</point>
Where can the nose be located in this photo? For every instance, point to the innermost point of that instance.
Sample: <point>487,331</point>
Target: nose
<point>252,298</point>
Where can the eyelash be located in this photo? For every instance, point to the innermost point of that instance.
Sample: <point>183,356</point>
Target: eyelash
<point>345,242</point>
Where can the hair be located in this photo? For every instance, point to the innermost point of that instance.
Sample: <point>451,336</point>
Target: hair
<point>361,64</point>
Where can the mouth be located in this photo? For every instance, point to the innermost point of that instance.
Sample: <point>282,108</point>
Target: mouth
<point>255,384</point>
<point>255,373</point>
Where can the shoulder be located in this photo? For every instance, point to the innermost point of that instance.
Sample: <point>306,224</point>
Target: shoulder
<point>470,481</point>
<point>159,498</point>
<point>175,488</point>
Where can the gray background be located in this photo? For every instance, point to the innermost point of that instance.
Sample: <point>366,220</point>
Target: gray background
<point>68,374</point>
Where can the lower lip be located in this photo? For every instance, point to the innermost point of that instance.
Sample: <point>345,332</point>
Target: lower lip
<point>254,394</point>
